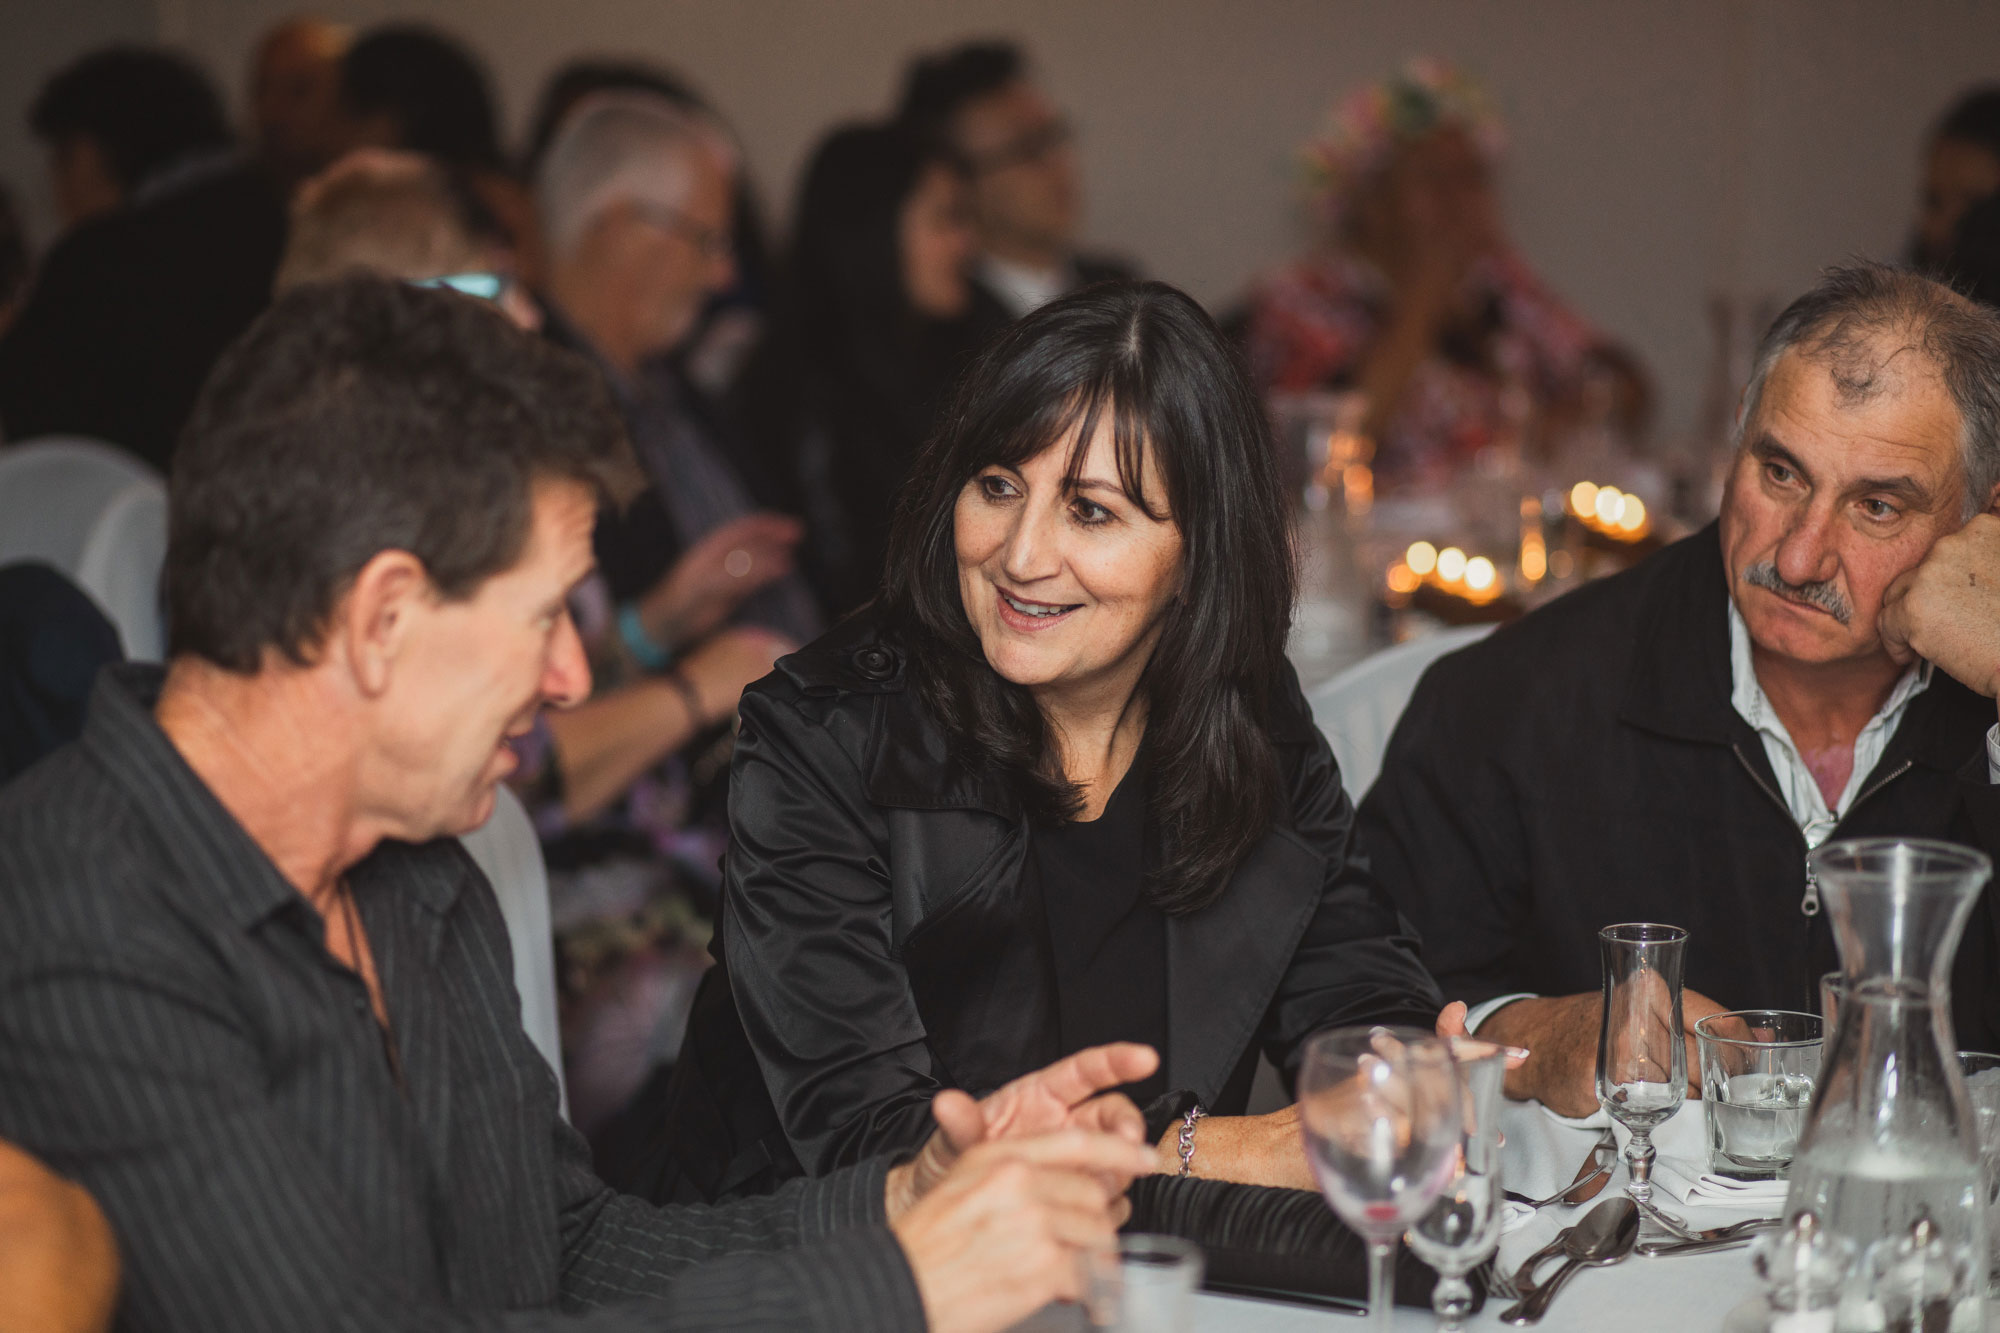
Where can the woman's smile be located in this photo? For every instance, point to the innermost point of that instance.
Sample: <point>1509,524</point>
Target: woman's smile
<point>1030,616</point>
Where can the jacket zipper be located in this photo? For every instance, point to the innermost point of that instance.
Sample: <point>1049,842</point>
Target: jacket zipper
<point>1809,905</point>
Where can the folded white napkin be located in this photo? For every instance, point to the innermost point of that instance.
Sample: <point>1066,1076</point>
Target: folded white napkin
<point>1695,1186</point>
<point>1681,1169</point>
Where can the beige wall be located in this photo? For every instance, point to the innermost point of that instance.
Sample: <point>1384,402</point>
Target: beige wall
<point>1660,152</point>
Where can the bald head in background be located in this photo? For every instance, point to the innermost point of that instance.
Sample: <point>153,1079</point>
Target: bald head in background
<point>295,96</point>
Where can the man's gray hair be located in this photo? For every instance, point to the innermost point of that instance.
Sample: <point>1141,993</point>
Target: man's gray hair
<point>622,145</point>
<point>1844,323</point>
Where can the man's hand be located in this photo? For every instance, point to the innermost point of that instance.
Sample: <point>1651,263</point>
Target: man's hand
<point>1561,1033</point>
<point>58,1264</point>
<point>713,576</point>
<point>1947,609</point>
<point>1069,1094</point>
<point>1009,1227</point>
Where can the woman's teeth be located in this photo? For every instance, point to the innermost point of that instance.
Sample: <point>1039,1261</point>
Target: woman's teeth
<point>1028,609</point>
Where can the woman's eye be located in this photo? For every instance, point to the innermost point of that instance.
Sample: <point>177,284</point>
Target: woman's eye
<point>995,488</point>
<point>1090,513</point>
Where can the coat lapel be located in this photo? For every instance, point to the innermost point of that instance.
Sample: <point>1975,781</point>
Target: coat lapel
<point>1224,962</point>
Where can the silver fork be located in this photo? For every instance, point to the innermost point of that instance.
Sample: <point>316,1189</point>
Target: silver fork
<point>1604,1156</point>
<point>1680,1229</point>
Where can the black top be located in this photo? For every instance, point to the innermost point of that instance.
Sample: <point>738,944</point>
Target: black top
<point>1107,944</point>
<point>176,1037</point>
<point>1584,764</point>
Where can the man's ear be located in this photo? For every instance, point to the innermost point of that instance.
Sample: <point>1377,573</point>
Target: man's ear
<point>373,620</point>
<point>1992,505</point>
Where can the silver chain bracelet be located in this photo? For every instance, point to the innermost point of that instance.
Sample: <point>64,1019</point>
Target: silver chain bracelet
<point>1187,1138</point>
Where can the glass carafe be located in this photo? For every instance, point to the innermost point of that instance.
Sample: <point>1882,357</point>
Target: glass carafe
<point>1888,1162</point>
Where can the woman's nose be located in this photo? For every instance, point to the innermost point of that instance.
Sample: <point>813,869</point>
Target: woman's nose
<point>1032,551</point>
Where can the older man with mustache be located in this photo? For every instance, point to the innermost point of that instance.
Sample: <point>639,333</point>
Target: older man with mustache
<point>1669,744</point>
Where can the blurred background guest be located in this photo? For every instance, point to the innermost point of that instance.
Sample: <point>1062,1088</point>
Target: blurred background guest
<point>170,239</point>
<point>1961,168</point>
<point>294,97</point>
<point>1018,151</point>
<point>875,322</point>
<point>730,322</point>
<point>1414,296</point>
<point>14,260</point>
<point>696,598</point>
<point>414,87</point>
<point>635,196</point>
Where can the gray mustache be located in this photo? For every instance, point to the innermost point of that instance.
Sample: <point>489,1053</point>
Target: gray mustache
<point>1822,595</point>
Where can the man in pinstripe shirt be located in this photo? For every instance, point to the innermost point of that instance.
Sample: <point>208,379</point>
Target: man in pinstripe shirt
<point>256,1002</point>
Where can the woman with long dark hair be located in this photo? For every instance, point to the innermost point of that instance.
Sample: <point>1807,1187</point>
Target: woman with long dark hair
<point>1058,787</point>
<point>874,320</point>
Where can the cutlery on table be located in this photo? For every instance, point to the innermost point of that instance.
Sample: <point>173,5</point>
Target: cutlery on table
<point>1605,1236</point>
<point>1591,1177</point>
<point>1660,1249</point>
<point>1682,1231</point>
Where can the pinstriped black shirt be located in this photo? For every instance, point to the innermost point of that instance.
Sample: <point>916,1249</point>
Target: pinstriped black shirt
<point>175,1035</point>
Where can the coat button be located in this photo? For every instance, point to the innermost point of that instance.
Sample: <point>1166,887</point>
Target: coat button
<point>874,662</point>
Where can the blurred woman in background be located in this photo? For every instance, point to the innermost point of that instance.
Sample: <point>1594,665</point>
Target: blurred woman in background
<point>1416,299</point>
<point>874,323</point>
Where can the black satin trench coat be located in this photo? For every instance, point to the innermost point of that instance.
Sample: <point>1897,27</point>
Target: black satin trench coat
<point>872,945</point>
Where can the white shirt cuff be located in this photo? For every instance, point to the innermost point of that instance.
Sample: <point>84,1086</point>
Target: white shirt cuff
<point>1485,1009</point>
<point>1993,753</point>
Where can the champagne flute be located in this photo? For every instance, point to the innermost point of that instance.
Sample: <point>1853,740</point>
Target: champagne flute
<point>1641,1044</point>
<point>1461,1229</point>
<point>1382,1116</point>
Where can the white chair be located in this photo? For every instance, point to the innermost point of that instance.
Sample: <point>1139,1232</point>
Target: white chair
<point>508,852</point>
<point>100,516</point>
<point>1358,708</point>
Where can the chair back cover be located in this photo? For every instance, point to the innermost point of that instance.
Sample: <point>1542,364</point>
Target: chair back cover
<point>99,515</point>
<point>1358,708</point>
<point>508,851</point>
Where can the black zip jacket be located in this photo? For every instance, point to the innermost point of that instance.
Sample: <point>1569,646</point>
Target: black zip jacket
<point>1584,766</point>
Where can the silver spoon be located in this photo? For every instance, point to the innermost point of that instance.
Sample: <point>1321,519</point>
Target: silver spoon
<point>1605,1236</point>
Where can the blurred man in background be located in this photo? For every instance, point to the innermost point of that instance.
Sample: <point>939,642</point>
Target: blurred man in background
<point>170,240</point>
<point>295,97</point>
<point>978,100</point>
<point>1961,168</point>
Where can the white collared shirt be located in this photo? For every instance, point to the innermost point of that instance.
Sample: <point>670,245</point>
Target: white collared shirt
<point>1021,289</point>
<point>1795,781</point>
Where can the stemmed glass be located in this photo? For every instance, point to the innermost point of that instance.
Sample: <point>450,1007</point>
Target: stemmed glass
<point>1641,1045</point>
<point>1383,1119</point>
<point>1462,1227</point>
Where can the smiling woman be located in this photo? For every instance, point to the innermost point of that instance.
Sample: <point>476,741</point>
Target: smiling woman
<point>1056,786</point>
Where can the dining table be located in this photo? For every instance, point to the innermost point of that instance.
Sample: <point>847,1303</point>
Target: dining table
<point>1539,1157</point>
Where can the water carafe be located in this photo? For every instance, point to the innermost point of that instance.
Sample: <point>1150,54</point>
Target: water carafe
<point>1888,1163</point>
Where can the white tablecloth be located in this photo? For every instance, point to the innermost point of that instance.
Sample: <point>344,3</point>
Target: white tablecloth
<point>1636,1296</point>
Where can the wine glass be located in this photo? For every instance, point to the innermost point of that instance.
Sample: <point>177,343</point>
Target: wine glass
<point>1641,1045</point>
<point>1383,1120</point>
<point>1462,1227</point>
